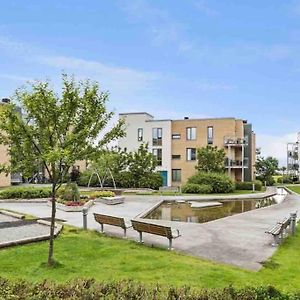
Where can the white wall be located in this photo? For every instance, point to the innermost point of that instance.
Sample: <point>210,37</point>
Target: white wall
<point>134,121</point>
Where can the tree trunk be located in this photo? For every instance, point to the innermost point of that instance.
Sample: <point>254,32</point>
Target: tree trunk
<point>52,227</point>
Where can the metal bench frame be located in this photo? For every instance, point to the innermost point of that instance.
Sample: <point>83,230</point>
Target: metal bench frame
<point>278,231</point>
<point>155,229</point>
<point>111,220</point>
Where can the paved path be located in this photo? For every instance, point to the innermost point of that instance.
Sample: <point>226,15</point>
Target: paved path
<point>239,240</point>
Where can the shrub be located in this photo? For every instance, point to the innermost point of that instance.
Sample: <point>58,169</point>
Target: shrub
<point>90,289</point>
<point>99,194</point>
<point>151,180</point>
<point>25,193</point>
<point>69,192</point>
<point>285,179</point>
<point>194,188</point>
<point>220,183</point>
<point>270,180</point>
<point>84,178</point>
<point>247,185</point>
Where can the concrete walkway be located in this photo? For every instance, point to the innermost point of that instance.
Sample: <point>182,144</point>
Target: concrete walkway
<point>239,240</point>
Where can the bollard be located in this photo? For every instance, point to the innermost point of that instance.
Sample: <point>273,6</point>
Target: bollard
<point>84,216</point>
<point>253,187</point>
<point>293,222</point>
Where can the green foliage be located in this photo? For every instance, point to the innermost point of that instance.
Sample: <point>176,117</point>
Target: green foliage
<point>210,159</point>
<point>25,193</point>
<point>285,179</point>
<point>266,168</point>
<point>220,183</point>
<point>194,188</point>
<point>69,192</point>
<point>248,185</point>
<point>90,289</point>
<point>100,194</point>
<point>151,180</point>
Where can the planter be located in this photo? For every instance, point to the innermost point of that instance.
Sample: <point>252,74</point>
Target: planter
<point>111,200</point>
<point>69,208</point>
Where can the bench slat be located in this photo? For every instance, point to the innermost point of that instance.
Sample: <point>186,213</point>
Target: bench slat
<point>110,220</point>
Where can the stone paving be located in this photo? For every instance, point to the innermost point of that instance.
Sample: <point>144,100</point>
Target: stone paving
<point>239,240</point>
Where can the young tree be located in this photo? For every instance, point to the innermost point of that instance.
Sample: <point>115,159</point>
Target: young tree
<point>210,159</point>
<point>56,130</point>
<point>266,168</point>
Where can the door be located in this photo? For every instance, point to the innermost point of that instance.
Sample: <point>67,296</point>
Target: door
<point>164,175</point>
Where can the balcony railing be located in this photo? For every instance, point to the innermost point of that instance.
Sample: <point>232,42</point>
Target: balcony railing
<point>235,163</point>
<point>234,141</point>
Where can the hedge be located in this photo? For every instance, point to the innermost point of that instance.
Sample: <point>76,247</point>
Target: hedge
<point>127,290</point>
<point>220,183</point>
<point>248,185</point>
<point>25,193</point>
<point>194,188</point>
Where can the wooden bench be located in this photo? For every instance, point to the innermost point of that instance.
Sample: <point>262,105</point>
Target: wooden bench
<point>174,189</point>
<point>161,230</point>
<point>279,230</point>
<point>111,220</point>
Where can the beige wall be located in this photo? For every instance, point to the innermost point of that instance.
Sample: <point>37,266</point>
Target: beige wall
<point>228,127</point>
<point>4,159</point>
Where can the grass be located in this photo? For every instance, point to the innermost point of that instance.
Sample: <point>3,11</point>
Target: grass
<point>294,188</point>
<point>87,254</point>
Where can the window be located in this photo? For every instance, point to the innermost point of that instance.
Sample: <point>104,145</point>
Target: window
<point>157,153</point>
<point>140,134</point>
<point>210,135</point>
<point>157,136</point>
<point>176,175</point>
<point>191,154</point>
<point>176,136</point>
<point>176,156</point>
<point>191,133</point>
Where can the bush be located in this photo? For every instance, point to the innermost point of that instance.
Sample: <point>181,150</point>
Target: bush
<point>90,289</point>
<point>220,183</point>
<point>100,194</point>
<point>194,188</point>
<point>151,181</point>
<point>25,193</point>
<point>285,179</point>
<point>69,192</point>
<point>84,178</point>
<point>270,180</point>
<point>247,185</point>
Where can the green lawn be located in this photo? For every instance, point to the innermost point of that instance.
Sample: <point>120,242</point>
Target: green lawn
<point>90,255</point>
<point>294,188</point>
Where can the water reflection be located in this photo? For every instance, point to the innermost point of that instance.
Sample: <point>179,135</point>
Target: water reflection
<point>189,211</point>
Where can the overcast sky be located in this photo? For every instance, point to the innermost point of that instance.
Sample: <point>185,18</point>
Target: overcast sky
<point>171,58</point>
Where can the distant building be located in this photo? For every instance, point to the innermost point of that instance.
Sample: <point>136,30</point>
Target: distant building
<point>293,158</point>
<point>174,143</point>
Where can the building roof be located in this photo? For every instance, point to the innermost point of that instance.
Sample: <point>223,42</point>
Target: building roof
<point>136,113</point>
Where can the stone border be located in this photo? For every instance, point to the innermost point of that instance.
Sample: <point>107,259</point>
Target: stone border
<point>12,214</point>
<point>35,200</point>
<point>67,208</point>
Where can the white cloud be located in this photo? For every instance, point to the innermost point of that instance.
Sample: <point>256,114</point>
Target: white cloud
<point>204,7</point>
<point>272,145</point>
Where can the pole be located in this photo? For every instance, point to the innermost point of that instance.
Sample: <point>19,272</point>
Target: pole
<point>84,217</point>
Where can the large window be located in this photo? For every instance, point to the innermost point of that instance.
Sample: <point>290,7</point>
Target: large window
<point>176,175</point>
<point>210,135</point>
<point>157,136</point>
<point>140,134</point>
<point>157,153</point>
<point>191,154</point>
<point>191,133</point>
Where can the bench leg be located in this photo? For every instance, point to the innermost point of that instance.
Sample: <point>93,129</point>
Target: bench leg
<point>102,228</point>
<point>170,244</point>
<point>141,237</point>
<point>125,233</point>
<point>276,240</point>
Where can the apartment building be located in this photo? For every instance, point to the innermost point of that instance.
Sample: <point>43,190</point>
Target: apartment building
<point>175,144</point>
<point>293,158</point>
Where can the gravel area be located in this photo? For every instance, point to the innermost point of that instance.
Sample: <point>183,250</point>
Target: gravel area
<point>23,232</point>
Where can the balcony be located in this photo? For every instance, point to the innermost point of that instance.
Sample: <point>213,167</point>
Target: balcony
<point>235,142</point>
<point>236,164</point>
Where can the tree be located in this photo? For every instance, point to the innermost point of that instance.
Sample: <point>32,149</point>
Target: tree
<point>210,159</point>
<point>56,131</point>
<point>266,168</point>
